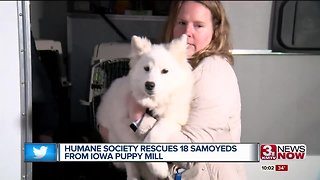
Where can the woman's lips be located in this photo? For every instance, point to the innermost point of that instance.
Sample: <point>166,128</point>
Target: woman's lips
<point>190,45</point>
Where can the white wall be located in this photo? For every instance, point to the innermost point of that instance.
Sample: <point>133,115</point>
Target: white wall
<point>10,128</point>
<point>279,93</point>
<point>280,100</point>
<point>250,22</point>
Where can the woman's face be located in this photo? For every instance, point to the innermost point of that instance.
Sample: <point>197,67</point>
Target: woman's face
<point>194,20</point>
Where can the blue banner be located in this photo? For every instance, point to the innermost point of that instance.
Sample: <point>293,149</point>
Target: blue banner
<point>40,152</point>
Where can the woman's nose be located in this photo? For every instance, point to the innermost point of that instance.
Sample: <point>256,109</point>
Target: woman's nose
<point>188,30</point>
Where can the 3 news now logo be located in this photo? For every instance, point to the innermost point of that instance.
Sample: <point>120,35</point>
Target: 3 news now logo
<point>36,152</point>
<point>282,151</point>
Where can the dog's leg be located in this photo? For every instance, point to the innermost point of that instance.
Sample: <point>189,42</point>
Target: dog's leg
<point>145,172</point>
<point>161,131</point>
<point>159,169</point>
<point>156,135</point>
<point>132,171</point>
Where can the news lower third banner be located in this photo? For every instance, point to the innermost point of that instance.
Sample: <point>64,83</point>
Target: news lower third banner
<point>159,152</point>
<point>162,152</point>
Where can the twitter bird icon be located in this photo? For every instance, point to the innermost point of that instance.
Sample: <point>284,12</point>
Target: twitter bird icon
<point>37,152</point>
<point>40,153</point>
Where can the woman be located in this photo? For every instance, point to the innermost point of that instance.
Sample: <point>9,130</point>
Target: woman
<point>216,107</point>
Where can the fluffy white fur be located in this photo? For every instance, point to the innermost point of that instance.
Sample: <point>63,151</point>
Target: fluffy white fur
<point>166,66</point>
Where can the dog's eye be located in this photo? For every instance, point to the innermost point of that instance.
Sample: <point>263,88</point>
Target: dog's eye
<point>164,71</point>
<point>146,68</point>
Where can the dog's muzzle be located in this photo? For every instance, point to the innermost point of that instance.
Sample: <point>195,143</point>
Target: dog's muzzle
<point>149,86</point>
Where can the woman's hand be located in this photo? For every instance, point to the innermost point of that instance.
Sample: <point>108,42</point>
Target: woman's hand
<point>137,114</point>
<point>136,111</point>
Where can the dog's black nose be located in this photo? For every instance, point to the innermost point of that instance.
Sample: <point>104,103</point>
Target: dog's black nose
<point>149,85</point>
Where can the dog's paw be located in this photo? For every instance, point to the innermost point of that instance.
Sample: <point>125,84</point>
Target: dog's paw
<point>159,169</point>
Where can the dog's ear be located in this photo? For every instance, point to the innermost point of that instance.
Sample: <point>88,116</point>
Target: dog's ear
<point>139,46</point>
<point>178,47</point>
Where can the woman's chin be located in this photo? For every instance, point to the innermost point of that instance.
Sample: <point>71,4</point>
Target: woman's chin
<point>190,52</point>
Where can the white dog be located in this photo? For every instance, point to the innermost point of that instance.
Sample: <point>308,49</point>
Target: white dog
<point>160,78</point>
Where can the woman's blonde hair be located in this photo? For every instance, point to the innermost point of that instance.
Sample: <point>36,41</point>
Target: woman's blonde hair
<point>220,43</point>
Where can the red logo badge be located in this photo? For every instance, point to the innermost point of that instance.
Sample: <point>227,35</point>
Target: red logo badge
<point>268,152</point>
